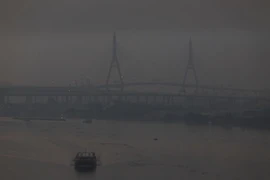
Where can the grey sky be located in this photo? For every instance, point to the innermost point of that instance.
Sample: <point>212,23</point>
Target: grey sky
<point>59,40</point>
<point>86,15</point>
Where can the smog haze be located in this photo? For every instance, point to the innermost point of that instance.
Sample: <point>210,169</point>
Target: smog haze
<point>45,42</point>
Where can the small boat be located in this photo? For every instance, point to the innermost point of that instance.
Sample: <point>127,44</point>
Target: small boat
<point>85,161</point>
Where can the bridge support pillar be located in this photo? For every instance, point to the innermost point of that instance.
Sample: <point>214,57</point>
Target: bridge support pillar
<point>120,98</point>
<point>28,99</point>
<point>168,99</point>
<point>154,99</point>
<point>104,100</point>
<point>108,99</point>
<point>7,99</point>
<point>146,99</point>
<point>52,100</point>
<point>67,100</point>
<point>163,99</point>
<point>89,99</point>
<point>125,98</point>
<point>56,99</point>
<point>2,99</point>
<point>138,99</point>
<point>172,100</point>
<point>190,101</point>
<point>210,102</point>
<point>233,101</point>
<point>35,100</point>
<point>2,96</point>
<point>79,100</point>
<point>96,99</point>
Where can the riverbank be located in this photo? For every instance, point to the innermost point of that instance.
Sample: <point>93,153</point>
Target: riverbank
<point>39,118</point>
<point>244,118</point>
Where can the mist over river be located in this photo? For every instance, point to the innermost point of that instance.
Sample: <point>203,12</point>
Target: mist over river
<point>44,150</point>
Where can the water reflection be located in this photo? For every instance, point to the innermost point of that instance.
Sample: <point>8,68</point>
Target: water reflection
<point>86,175</point>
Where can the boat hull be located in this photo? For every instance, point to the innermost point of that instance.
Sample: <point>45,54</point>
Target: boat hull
<point>85,166</point>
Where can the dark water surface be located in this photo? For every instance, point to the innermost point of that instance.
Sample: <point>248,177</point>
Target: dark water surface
<point>127,150</point>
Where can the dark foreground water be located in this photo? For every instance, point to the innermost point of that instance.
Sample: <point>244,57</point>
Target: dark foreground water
<point>44,150</point>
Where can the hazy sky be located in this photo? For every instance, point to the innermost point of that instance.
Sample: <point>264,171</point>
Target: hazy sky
<point>59,40</point>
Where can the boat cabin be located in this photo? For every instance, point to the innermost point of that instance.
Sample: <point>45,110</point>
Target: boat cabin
<point>85,155</point>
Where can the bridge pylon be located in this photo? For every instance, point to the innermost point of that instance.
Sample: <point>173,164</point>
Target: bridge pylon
<point>115,64</point>
<point>190,67</point>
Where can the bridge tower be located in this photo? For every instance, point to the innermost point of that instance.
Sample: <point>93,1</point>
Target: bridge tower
<point>190,67</point>
<point>115,64</point>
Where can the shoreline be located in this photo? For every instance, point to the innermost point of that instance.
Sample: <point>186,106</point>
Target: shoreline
<point>227,121</point>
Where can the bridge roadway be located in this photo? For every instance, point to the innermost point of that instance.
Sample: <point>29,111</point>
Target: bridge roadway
<point>78,91</point>
<point>172,84</point>
<point>100,87</point>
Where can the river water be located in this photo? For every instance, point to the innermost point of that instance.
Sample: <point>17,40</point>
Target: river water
<point>127,150</point>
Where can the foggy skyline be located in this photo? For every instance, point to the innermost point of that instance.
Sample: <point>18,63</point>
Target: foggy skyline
<point>105,15</point>
<point>45,41</point>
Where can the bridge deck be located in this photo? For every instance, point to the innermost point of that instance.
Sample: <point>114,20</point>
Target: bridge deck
<point>78,91</point>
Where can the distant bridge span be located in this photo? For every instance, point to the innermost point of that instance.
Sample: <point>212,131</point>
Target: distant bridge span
<point>50,91</point>
<point>97,88</point>
<point>172,84</point>
<point>87,93</point>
